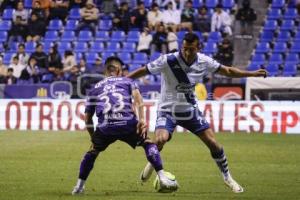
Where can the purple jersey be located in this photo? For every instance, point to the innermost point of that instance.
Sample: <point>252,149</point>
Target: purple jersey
<point>111,99</point>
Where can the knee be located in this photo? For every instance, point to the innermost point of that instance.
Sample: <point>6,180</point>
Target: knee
<point>161,141</point>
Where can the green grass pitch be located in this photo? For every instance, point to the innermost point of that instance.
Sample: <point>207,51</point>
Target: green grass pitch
<point>44,165</point>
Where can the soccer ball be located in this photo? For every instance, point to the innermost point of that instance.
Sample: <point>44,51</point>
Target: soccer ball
<point>157,186</point>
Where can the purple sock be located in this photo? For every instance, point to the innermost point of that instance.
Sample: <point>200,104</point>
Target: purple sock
<point>87,165</point>
<point>153,156</point>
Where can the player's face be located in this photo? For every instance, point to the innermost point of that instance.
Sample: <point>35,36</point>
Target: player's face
<point>189,51</point>
<point>118,65</point>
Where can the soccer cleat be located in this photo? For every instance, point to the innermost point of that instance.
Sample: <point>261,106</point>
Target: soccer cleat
<point>78,190</point>
<point>146,173</point>
<point>233,185</point>
<point>167,185</point>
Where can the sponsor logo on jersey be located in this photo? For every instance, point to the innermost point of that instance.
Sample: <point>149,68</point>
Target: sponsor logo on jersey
<point>185,88</point>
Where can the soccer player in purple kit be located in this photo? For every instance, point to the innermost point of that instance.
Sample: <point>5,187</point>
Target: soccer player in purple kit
<point>180,71</point>
<point>118,119</point>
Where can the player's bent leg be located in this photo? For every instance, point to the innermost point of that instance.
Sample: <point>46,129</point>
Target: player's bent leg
<point>218,154</point>
<point>161,137</point>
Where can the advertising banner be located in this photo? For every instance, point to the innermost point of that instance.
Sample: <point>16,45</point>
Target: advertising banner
<point>278,117</point>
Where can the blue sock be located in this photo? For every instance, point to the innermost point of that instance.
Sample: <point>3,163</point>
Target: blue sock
<point>87,165</point>
<point>221,161</point>
<point>153,156</point>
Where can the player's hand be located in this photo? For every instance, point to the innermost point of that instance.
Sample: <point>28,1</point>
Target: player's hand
<point>142,129</point>
<point>260,73</point>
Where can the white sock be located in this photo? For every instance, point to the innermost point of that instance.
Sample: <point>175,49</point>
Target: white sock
<point>161,174</point>
<point>80,183</point>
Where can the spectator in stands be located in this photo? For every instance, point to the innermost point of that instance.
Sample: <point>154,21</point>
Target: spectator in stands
<point>225,53</point>
<point>122,21</point>
<point>171,16</point>
<point>68,61</point>
<point>221,21</point>
<point>108,7</point>
<point>35,31</point>
<point>139,16</point>
<point>77,3</point>
<point>202,21</point>
<point>31,71</point>
<point>21,12</point>
<point>178,4</point>
<point>89,17</point>
<point>97,67</point>
<point>187,16</point>
<point>145,40</point>
<point>154,17</point>
<point>159,42</point>
<point>246,15</point>
<point>54,60</point>
<point>172,40</point>
<point>17,32</point>
<point>41,12</point>
<point>43,4</point>
<point>10,79</point>
<point>22,55</point>
<point>3,70</point>
<point>59,9</point>
<point>41,58</point>
<point>16,66</point>
<point>6,4</point>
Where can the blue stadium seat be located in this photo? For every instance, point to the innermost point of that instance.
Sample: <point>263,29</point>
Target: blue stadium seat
<point>80,47</point>
<point>117,36</point>
<point>78,56</point>
<point>140,58</point>
<point>51,36</point>
<point>30,47</point>
<point>97,47</point>
<point>47,46</point>
<point>276,58</point>
<point>284,36</point>
<point>148,3</point>
<point>258,59</point>
<point>55,25</point>
<point>1,47</point>
<point>47,78</point>
<point>228,3</point>
<point>295,47</point>
<point>262,47</point>
<point>267,36</point>
<point>180,35</point>
<point>292,58</point>
<point>24,82</point>
<point>290,13</point>
<point>5,25</point>
<point>154,56</point>
<point>287,25</point>
<point>297,37</point>
<point>102,36</point>
<point>211,3</point>
<point>290,70</point>
<point>7,57</point>
<point>3,36</point>
<point>85,36</point>
<point>74,13</point>
<point>105,25</point>
<point>28,3</point>
<point>215,36</point>
<point>91,57</point>
<point>129,47</point>
<point>125,57</point>
<point>113,47</point>
<point>13,47</point>
<point>133,36</point>
<point>105,55</point>
<point>274,14</point>
<point>199,34</point>
<point>278,3</point>
<point>63,46</point>
<point>7,14</point>
<point>270,25</point>
<point>210,47</point>
<point>280,47</point>
<point>197,3</point>
<point>71,25</point>
<point>68,36</point>
<point>133,67</point>
<point>253,67</point>
<point>273,69</point>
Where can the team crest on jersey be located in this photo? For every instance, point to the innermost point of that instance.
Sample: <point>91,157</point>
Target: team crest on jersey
<point>185,87</point>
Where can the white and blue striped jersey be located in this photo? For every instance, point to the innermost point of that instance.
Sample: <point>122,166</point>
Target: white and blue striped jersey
<point>178,79</point>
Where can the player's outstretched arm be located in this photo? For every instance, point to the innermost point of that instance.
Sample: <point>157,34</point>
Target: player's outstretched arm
<point>139,107</point>
<point>238,73</point>
<point>89,124</point>
<point>140,72</point>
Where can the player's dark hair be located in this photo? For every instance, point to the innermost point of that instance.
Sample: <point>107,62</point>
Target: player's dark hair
<point>191,37</point>
<point>109,69</point>
<point>113,58</point>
